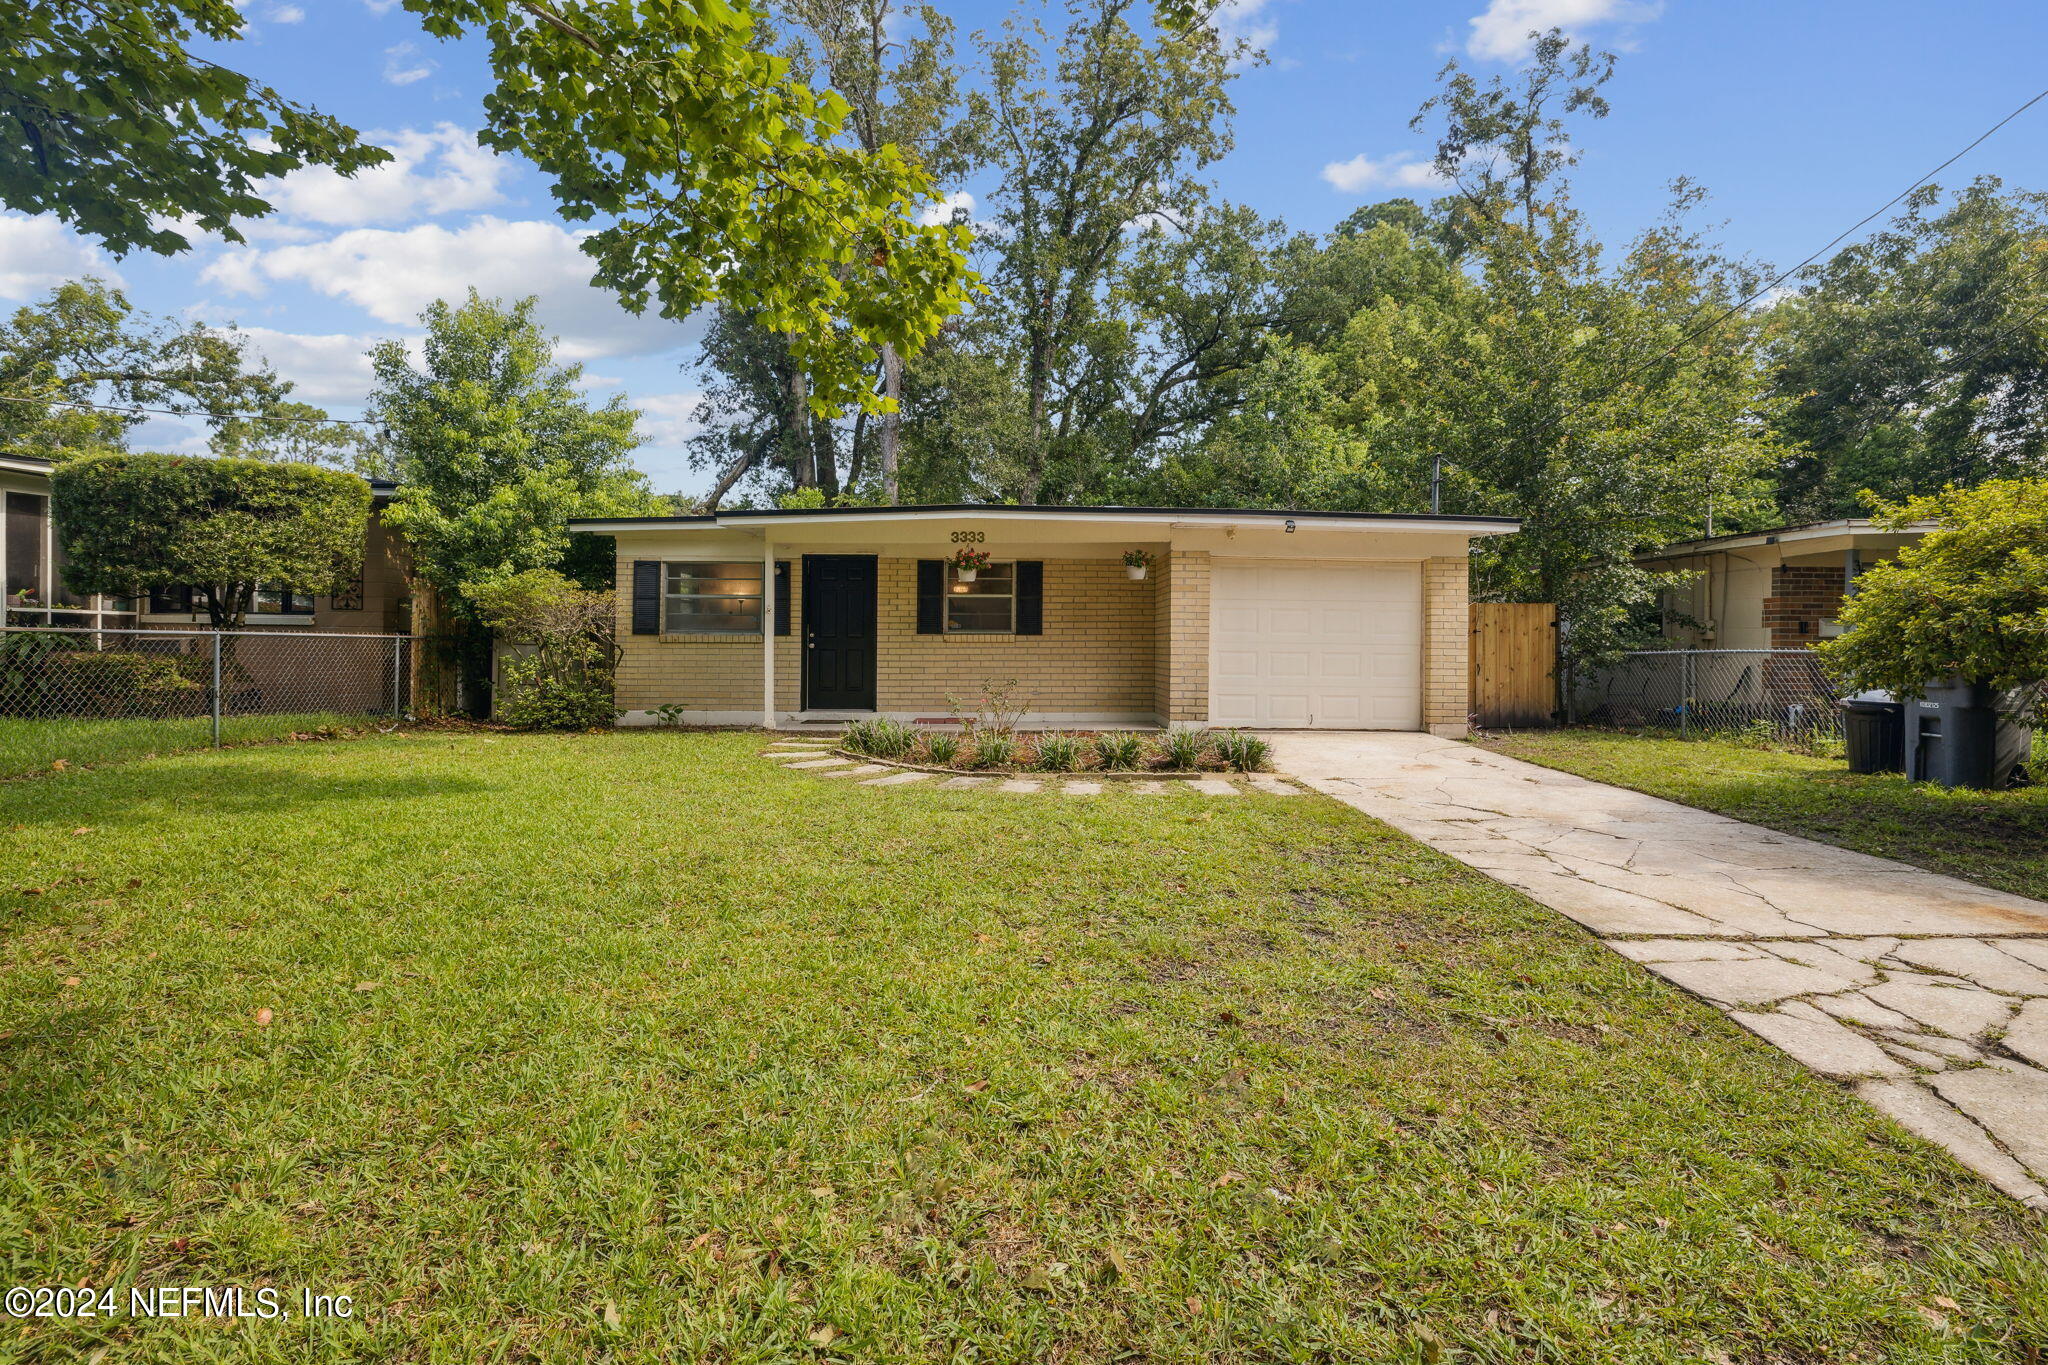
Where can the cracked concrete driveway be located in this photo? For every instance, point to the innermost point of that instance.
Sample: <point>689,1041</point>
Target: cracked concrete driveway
<point>1928,994</point>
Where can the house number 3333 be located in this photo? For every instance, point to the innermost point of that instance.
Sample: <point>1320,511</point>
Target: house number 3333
<point>968,537</point>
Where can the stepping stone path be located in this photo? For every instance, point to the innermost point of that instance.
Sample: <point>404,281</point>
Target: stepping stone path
<point>817,757</point>
<point>1927,994</point>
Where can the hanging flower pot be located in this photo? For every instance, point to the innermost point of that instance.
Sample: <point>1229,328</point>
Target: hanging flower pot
<point>967,563</point>
<point>1136,562</point>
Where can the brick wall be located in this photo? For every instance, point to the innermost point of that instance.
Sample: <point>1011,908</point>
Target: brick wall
<point>1095,657</point>
<point>1181,674</point>
<point>1446,646</point>
<point>1801,596</point>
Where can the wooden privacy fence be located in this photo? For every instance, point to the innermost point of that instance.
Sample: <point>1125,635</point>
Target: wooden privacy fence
<point>1514,663</point>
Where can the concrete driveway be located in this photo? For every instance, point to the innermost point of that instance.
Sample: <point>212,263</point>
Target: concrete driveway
<point>1928,994</point>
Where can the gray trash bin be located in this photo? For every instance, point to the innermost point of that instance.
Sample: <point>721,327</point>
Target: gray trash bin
<point>1955,737</point>
<point>1874,732</point>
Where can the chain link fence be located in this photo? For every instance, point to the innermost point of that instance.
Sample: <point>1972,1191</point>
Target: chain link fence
<point>1777,696</point>
<point>90,695</point>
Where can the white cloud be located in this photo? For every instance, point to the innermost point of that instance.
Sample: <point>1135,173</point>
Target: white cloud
<point>393,274</point>
<point>668,419</point>
<point>285,14</point>
<point>404,64</point>
<point>1248,22</point>
<point>1502,32</point>
<point>959,201</point>
<point>430,172</point>
<point>326,369</point>
<point>380,6</point>
<point>1402,170</point>
<point>39,253</point>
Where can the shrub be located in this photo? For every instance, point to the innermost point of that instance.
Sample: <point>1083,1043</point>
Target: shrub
<point>1246,753</point>
<point>1119,752</point>
<point>51,675</point>
<point>994,749</point>
<point>670,714</point>
<point>882,737</point>
<point>1183,748</point>
<point>942,749</point>
<point>1058,753</point>
<point>531,698</point>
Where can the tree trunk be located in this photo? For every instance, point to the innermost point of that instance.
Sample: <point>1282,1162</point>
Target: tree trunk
<point>892,420</point>
<point>804,458</point>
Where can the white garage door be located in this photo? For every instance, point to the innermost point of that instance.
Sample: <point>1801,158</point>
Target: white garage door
<point>1315,644</point>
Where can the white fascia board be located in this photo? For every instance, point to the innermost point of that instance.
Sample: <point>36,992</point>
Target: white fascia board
<point>1183,521</point>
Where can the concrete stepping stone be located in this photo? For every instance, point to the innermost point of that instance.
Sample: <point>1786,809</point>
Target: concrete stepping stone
<point>791,755</point>
<point>859,770</point>
<point>1959,1012</point>
<point>961,784</point>
<point>1081,788</point>
<point>2010,1100</point>
<point>1021,786</point>
<point>820,763</point>
<point>1979,962</point>
<point>897,779</point>
<point>2028,1033</point>
<point>1273,786</point>
<point>1149,788</point>
<point>1215,786</point>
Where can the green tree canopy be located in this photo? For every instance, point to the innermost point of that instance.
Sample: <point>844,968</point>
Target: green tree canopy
<point>120,131</point>
<point>132,522</point>
<point>1969,600</point>
<point>495,448</point>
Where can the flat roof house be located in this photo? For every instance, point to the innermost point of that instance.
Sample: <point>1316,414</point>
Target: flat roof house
<point>1329,620</point>
<point>1780,588</point>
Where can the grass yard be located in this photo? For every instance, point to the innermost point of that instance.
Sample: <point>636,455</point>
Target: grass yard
<point>636,1048</point>
<point>29,746</point>
<point>1997,839</point>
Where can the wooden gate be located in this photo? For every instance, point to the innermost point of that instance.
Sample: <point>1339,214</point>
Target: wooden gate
<point>1514,663</point>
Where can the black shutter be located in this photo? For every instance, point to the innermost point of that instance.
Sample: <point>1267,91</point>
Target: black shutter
<point>782,597</point>
<point>931,597</point>
<point>647,597</point>
<point>1030,597</point>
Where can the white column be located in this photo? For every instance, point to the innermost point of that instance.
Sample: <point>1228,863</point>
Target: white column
<point>767,630</point>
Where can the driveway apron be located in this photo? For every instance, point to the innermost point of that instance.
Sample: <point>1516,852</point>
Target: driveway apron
<point>1927,994</point>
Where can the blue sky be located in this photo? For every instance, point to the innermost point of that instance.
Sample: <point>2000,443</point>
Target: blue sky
<point>1799,117</point>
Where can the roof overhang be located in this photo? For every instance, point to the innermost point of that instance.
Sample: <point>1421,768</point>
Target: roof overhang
<point>25,464</point>
<point>1847,532</point>
<point>1158,518</point>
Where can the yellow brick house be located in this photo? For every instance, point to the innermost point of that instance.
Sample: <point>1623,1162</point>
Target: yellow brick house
<point>1321,620</point>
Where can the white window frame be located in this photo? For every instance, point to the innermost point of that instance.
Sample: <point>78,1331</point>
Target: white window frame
<point>735,568</point>
<point>98,607</point>
<point>950,597</point>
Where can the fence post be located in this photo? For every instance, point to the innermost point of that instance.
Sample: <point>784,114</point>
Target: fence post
<point>397,656</point>
<point>1685,694</point>
<point>216,689</point>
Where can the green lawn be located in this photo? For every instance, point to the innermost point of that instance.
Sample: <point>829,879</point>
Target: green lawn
<point>1998,839</point>
<point>28,746</point>
<point>636,1048</point>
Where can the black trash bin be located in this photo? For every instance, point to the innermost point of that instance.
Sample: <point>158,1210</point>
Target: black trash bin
<point>1955,737</point>
<point>1874,730</point>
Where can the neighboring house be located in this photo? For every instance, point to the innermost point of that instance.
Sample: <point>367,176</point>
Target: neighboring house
<point>1287,619</point>
<point>1780,588</point>
<point>377,603</point>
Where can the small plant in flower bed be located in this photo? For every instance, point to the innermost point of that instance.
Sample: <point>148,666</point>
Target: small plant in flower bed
<point>1120,751</point>
<point>993,749</point>
<point>1246,753</point>
<point>941,750</point>
<point>882,737</point>
<point>1057,753</point>
<point>1183,748</point>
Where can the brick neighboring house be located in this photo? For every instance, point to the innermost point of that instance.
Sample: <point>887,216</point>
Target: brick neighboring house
<point>31,564</point>
<point>1255,618</point>
<point>1780,588</point>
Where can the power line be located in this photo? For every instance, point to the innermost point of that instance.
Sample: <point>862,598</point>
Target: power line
<point>140,411</point>
<point>1780,278</point>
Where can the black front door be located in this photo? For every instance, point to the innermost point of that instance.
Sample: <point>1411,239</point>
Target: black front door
<point>839,632</point>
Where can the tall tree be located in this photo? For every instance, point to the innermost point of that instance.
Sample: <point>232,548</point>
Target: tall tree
<point>495,447</point>
<point>84,343</point>
<point>1089,145</point>
<point>1919,358</point>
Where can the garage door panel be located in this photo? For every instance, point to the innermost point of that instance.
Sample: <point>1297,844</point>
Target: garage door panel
<point>1327,645</point>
